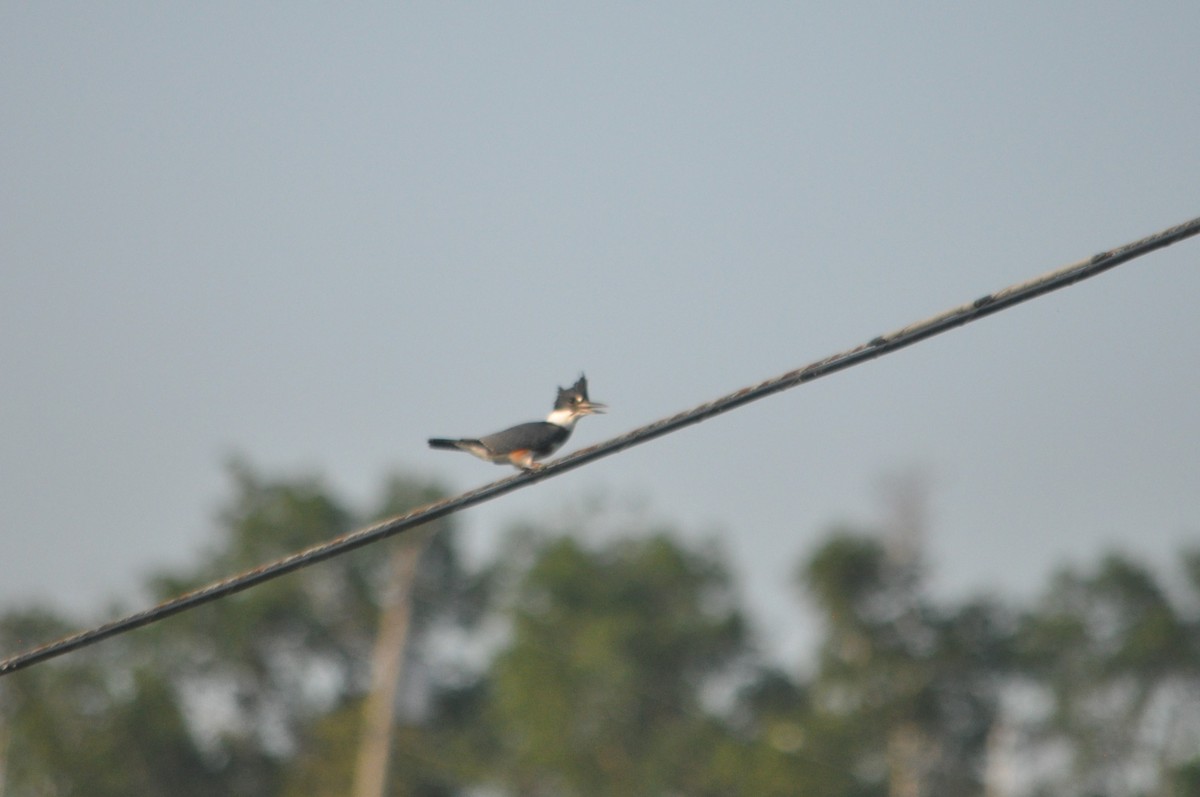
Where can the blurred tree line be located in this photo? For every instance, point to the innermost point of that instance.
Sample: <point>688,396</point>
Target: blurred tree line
<point>622,667</point>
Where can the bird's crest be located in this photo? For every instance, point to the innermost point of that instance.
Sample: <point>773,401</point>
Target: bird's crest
<point>570,395</point>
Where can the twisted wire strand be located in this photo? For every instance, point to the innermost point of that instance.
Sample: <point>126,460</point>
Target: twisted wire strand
<point>884,344</point>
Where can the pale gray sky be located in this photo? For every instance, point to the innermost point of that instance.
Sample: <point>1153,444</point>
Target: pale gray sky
<point>318,234</point>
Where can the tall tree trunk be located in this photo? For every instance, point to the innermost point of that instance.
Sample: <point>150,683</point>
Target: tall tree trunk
<point>387,661</point>
<point>908,759</point>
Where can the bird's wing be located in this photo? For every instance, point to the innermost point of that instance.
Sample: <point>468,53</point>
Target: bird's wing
<point>537,437</point>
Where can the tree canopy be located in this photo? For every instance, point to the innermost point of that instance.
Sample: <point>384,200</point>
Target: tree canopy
<point>608,657</point>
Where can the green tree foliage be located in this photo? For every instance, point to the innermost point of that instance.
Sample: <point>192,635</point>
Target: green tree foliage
<point>92,725</point>
<point>600,689</point>
<point>1118,662</point>
<point>226,698</point>
<point>623,668</point>
<point>780,745</point>
<point>912,688</point>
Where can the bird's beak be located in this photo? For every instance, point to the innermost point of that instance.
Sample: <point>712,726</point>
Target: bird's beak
<point>592,408</point>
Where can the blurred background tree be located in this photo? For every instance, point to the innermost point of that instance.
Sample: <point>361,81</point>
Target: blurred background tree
<point>242,690</point>
<point>1116,665</point>
<point>912,686</point>
<point>600,689</point>
<point>604,656</point>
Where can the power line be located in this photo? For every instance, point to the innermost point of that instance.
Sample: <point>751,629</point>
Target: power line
<point>884,344</point>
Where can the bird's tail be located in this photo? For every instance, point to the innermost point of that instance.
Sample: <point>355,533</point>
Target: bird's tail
<point>441,442</point>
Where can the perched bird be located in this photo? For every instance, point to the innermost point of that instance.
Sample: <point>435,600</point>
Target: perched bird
<point>525,443</point>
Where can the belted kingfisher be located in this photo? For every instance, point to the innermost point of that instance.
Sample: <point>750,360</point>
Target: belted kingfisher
<point>526,442</point>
